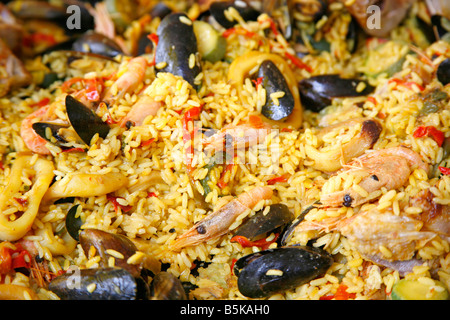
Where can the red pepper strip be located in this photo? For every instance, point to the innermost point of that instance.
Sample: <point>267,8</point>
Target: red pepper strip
<point>1,166</point>
<point>372,99</point>
<point>298,62</point>
<point>151,194</point>
<point>222,184</point>
<point>430,131</point>
<point>11,259</point>
<point>43,102</point>
<point>21,260</point>
<point>116,204</point>
<point>257,82</point>
<point>444,170</point>
<point>341,294</point>
<point>282,178</point>
<point>74,150</point>
<point>408,84</point>
<point>153,37</point>
<point>232,264</point>
<point>262,243</point>
<point>189,116</point>
<point>239,31</point>
<point>147,142</point>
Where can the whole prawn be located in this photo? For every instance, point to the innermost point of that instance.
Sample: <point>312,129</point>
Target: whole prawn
<point>389,168</point>
<point>218,222</point>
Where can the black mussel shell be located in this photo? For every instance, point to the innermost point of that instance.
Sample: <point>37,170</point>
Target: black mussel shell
<point>41,129</point>
<point>102,241</point>
<point>145,45</point>
<point>97,43</point>
<point>218,8</point>
<point>274,81</point>
<point>317,92</point>
<point>73,223</point>
<point>99,284</point>
<point>443,72</point>
<point>84,121</point>
<point>165,286</point>
<point>267,272</point>
<point>278,216</point>
<point>176,43</point>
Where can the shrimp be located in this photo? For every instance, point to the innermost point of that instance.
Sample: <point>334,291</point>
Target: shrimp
<point>247,134</point>
<point>144,107</point>
<point>128,81</point>
<point>218,222</point>
<point>32,140</point>
<point>389,168</point>
<point>369,231</point>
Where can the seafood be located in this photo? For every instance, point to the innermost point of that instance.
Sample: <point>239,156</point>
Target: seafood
<point>128,81</point>
<point>177,48</point>
<point>274,82</point>
<point>277,217</point>
<point>218,8</point>
<point>34,141</point>
<point>97,43</point>
<point>266,272</point>
<point>165,286</point>
<point>85,122</point>
<point>317,92</point>
<point>333,160</point>
<point>389,168</point>
<point>218,222</point>
<point>144,107</point>
<point>232,137</point>
<point>99,284</point>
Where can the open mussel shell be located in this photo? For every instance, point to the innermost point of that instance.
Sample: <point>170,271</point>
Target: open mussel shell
<point>262,223</point>
<point>99,284</point>
<point>267,272</point>
<point>103,241</point>
<point>218,8</point>
<point>84,121</point>
<point>176,44</point>
<point>165,286</point>
<point>41,128</point>
<point>97,43</point>
<point>317,92</point>
<point>273,81</point>
<point>73,223</point>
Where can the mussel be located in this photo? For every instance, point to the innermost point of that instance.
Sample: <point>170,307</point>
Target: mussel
<point>103,241</point>
<point>165,286</point>
<point>54,128</point>
<point>97,43</point>
<point>84,121</point>
<point>270,271</point>
<point>443,72</point>
<point>176,46</point>
<point>99,284</point>
<point>273,81</point>
<point>317,92</point>
<point>263,222</point>
<point>218,8</point>
<point>73,223</point>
